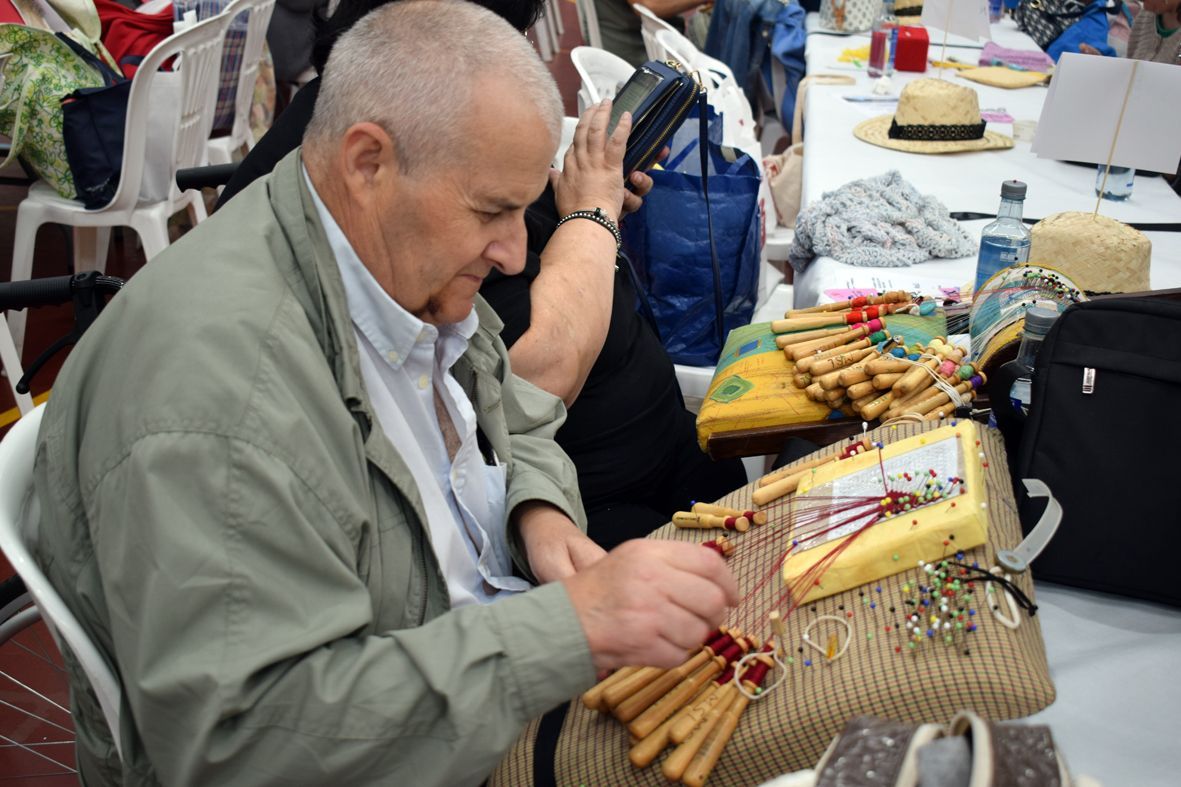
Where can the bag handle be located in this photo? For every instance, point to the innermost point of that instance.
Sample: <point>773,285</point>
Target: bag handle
<point>703,134</point>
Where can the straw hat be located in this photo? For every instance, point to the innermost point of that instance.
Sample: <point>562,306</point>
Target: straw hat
<point>937,116</point>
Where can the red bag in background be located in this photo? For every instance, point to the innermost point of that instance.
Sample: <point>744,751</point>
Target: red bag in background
<point>129,35</point>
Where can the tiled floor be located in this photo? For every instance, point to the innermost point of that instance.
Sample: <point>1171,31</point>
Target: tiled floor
<point>35,730</point>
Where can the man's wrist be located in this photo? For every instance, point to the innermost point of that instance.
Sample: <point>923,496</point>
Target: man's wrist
<point>600,217</point>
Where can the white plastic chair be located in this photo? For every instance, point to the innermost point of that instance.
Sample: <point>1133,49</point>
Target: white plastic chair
<point>222,149</point>
<point>649,24</point>
<point>567,138</point>
<point>185,99</point>
<point>588,23</point>
<point>601,72</point>
<point>19,520</point>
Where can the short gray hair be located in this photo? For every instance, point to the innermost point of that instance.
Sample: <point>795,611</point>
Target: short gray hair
<point>410,67</point>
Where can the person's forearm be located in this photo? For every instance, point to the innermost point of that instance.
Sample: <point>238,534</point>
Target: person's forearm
<point>666,8</point>
<point>571,310</point>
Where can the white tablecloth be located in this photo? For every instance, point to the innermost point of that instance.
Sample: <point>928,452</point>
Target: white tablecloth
<point>962,181</point>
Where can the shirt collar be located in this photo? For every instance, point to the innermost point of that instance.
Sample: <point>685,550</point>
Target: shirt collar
<point>391,329</point>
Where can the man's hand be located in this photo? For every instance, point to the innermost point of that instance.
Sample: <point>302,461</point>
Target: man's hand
<point>592,171</point>
<point>648,602</point>
<point>554,545</point>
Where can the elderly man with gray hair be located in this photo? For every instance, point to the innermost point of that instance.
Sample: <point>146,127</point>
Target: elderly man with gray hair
<point>288,482</point>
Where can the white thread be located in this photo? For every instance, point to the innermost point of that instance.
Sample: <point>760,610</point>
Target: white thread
<point>739,668</point>
<point>1014,620</point>
<point>848,636</point>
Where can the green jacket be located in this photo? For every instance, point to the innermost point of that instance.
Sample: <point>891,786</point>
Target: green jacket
<point>223,513</point>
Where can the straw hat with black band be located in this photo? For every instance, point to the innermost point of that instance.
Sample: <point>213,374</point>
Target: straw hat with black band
<point>933,116</point>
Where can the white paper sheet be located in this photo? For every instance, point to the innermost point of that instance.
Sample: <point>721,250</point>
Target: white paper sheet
<point>968,18</point>
<point>1079,118</point>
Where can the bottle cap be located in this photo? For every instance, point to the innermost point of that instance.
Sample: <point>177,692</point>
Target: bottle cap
<point>1013,189</point>
<point>1038,319</point>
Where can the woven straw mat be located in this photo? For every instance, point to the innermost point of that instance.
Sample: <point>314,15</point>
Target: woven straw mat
<point>1004,677</point>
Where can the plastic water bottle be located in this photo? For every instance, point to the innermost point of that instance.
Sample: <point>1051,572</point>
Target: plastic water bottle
<point>883,42</point>
<point>1038,320</point>
<point>996,9</point>
<point>1004,242</point>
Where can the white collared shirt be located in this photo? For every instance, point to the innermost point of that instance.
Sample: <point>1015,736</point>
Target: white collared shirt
<point>403,361</point>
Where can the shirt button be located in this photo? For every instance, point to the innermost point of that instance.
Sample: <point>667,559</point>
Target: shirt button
<point>393,356</point>
<point>423,381</point>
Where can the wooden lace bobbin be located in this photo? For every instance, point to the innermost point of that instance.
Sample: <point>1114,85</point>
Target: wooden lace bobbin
<point>887,364</point>
<point>834,318</point>
<point>854,373</point>
<point>800,350</point>
<point>593,697</point>
<point>801,380</point>
<point>707,757</point>
<point>648,748</point>
<point>692,520</point>
<point>617,693</point>
<point>678,761</point>
<point>859,404</point>
<point>798,467</point>
<point>946,368</point>
<point>877,406</point>
<point>755,517</point>
<point>926,401</point>
<point>831,345</point>
<point>804,360</point>
<point>785,340</point>
<point>893,296</point>
<point>884,382</point>
<point>721,545</point>
<point>940,397</point>
<point>861,390</point>
<point>676,698</point>
<point>914,377</point>
<point>944,411</point>
<point>815,392</point>
<point>833,398</point>
<point>639,702</point>
<point>842,361</point>
<point>858,372</point>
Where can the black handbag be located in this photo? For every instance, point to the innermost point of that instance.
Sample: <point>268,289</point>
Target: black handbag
<point>1101,433</point>
<point>93,122</point>
<point>1044,20</point>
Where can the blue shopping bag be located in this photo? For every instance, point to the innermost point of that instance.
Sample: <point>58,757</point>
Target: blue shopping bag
<point>696,298</point>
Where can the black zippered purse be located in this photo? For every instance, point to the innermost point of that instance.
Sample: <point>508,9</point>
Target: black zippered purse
<point>659,95</point>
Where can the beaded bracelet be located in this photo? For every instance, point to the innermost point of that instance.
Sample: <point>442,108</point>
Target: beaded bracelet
<point>598,217</point>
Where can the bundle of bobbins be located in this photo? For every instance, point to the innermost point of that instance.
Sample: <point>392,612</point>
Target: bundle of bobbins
<point>707,516</point>
<point>694,707</point>
<point>878,378</point>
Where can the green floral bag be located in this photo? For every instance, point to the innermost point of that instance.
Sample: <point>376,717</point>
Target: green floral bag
<point>38,70</point>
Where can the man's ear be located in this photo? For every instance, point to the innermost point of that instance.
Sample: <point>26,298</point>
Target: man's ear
<point>368,160</point>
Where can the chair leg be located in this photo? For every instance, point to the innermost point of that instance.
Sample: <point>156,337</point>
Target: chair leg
<point>153,233</point>
<point>28,220</point>
<point>12,367</point>
<point>196,208</point>
<point>90,248</point>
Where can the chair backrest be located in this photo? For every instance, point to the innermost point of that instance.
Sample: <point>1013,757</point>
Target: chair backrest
<point>649,24</point>
<point>189,95</point>
<point>588,23</point>
<point>19,519</point>
<point>724,93</point>
<point>601,73</point>
<point>247,61</point>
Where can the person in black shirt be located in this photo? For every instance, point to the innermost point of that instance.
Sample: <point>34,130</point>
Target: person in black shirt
<point>573,323</point>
